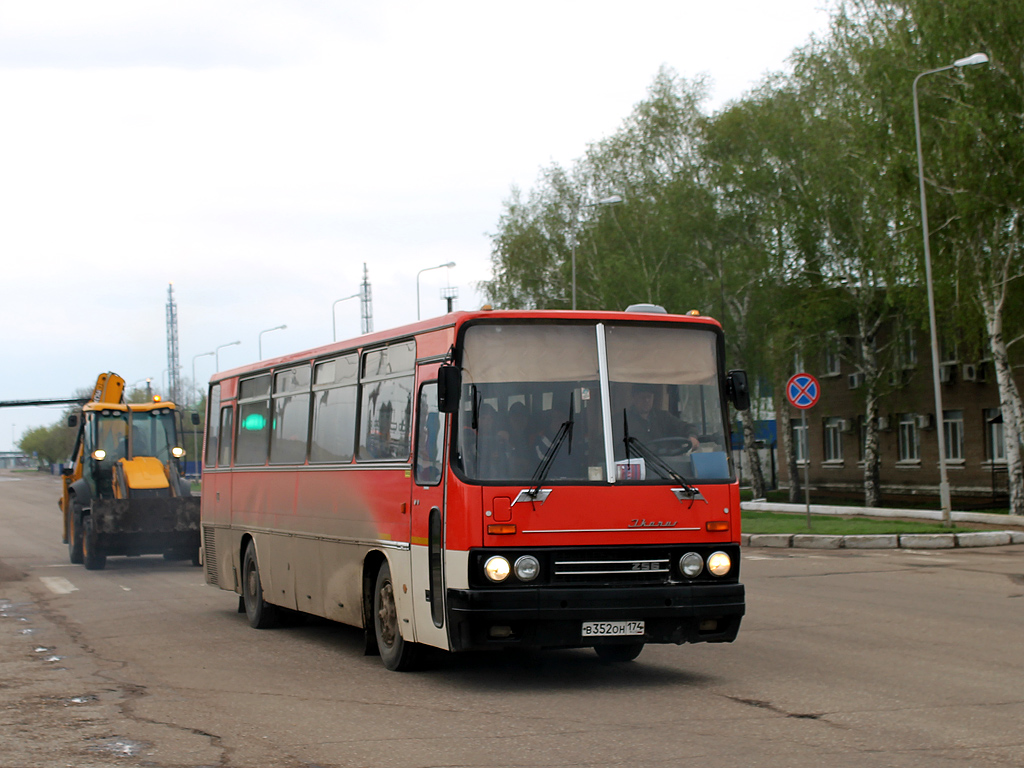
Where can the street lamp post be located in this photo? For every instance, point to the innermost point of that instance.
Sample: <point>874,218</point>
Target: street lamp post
<point>259,342</point>
<point>216,352</point>
<point>194,358</point>
<point>449,265</point>
<point>940,427</point>
<point>334,322</point>
<point>612,200</point>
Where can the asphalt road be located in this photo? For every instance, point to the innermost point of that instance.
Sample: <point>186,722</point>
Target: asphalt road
<point>887,658</point>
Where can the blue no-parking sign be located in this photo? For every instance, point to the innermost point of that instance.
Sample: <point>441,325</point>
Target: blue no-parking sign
<point>802,391</point>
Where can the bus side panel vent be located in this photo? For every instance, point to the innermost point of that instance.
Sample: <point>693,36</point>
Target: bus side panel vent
<point>210,556</point>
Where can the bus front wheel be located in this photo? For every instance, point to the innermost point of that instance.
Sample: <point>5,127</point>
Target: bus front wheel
<point>396,653</point>
<point>261,614</point>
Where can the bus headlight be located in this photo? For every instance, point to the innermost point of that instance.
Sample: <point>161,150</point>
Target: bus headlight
<point>691,564</point>
<point>527,568</point>
<point>497,569</point>
<point>177,451</point>
<point>719,563</point>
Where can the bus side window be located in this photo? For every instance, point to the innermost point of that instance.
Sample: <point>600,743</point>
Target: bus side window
<point>224,458</point>
<point>213,427</point>
<point>429,437</point>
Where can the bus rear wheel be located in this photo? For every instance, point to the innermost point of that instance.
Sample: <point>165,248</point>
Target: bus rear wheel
<point>618,652</point>
<point>261,614</point>
<point>397,653</point>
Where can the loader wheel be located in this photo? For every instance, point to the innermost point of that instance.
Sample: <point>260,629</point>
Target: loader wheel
<point>94,559</point>
<point>74,536</point>
<point>261,614</point>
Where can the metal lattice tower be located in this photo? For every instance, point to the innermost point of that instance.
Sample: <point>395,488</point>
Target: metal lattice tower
<point>173,364</point>
<point>366,303</point>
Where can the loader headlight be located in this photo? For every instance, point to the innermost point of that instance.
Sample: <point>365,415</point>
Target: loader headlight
<point>99,454</point>
<point>177,452</point>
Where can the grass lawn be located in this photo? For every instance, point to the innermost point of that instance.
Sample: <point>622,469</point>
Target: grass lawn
<point>772,522</point>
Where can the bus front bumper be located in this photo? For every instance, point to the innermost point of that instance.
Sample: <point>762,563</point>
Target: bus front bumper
<point>553,617</point>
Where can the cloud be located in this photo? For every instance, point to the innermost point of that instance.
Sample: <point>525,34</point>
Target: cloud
<point>187,35</point>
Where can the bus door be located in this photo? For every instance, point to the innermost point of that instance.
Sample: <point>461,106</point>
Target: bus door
<point>427,512</point>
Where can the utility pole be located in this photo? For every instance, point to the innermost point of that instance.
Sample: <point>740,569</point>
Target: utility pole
<point>173,364</point>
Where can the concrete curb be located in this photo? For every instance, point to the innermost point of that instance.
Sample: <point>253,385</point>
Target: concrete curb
<point>884,541</point>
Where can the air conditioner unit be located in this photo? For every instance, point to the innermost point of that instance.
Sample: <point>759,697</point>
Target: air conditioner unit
<point>972,372</point>
<point>884,424</point>
<point>946,373</point>
<point>854,380</point>
<point>923,421</point>
<point>843,425</point>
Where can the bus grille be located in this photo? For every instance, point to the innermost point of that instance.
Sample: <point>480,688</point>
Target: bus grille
<point>612,568</point>
<point>210,556</point>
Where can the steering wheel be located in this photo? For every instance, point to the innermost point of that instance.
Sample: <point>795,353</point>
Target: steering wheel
<point>671,446</point>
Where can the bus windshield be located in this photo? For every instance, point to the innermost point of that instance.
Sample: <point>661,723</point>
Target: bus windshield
<point>594,403</point>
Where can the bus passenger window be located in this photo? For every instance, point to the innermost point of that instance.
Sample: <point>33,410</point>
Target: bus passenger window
<point>429,437</point>
<point>252,443</point>
<point>213,427</point>
<point>225,430</point>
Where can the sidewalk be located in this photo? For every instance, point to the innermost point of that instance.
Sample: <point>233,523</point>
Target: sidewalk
<point>885,541</point>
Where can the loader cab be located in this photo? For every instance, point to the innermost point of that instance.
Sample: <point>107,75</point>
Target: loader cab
<point>104,442</point>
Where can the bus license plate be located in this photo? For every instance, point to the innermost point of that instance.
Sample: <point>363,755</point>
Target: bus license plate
<point>612,628</point>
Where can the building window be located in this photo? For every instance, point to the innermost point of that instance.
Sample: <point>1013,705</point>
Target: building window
<point>908,348</point>
<point>834,439</point>
<point>953,434</point>
<point>909,439</point>
<point>833,363</point>
<point>800,441</point>
<point>995,442</point>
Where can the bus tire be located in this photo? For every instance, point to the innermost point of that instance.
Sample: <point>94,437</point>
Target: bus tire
<point>74,535</point>
<point>398,654</point>
<point>261,614</point>
<point>92,558</point>
<point>619,652</point>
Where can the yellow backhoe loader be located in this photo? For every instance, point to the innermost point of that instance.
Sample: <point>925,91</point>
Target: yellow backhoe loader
<point>124,493</point>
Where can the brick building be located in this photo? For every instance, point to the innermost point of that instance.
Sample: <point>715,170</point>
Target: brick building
<point>908,443</point>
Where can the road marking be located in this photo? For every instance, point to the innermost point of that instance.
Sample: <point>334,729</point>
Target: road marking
<point>58,585</point>
<point>126,589</point>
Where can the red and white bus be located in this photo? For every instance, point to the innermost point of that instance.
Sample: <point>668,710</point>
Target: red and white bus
<point>485,480</point>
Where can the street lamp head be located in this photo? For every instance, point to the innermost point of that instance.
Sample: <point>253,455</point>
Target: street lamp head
<point>970,61</point>
<point>610,200</point>
<point>449,264</point>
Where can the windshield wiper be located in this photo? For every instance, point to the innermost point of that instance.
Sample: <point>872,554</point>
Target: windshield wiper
<point>641,450</point>
<point>564,431</point>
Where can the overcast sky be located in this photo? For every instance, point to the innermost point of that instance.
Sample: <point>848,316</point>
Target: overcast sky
<point>256,154</point>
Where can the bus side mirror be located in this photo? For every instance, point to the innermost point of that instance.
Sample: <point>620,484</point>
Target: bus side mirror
<point>738,390</point>
<point>195,419</point>
<point>73,420</point>
<point>449,382</point>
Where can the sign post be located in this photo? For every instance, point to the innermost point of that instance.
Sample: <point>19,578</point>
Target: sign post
<point>802,391</point>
